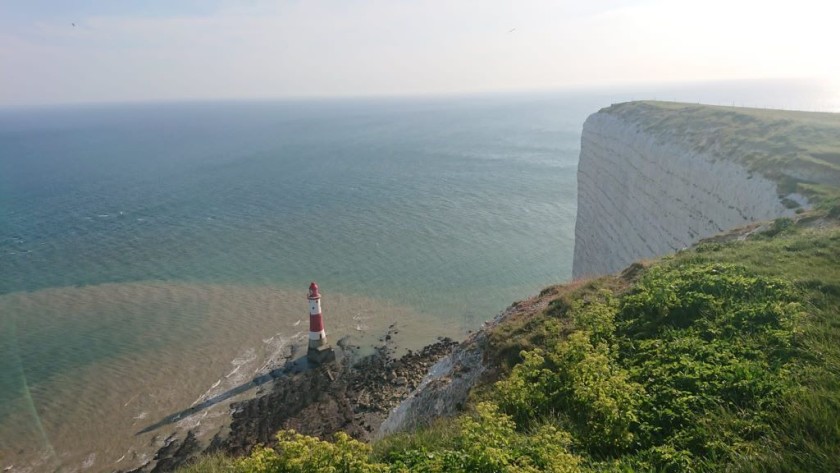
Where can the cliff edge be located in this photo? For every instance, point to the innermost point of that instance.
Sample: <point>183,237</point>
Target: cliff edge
<point>656,177</point>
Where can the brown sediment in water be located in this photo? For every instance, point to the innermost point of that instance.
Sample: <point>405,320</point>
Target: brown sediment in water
<point>191,345</point>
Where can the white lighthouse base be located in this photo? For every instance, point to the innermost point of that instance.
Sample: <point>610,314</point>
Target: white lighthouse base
<point>320,354</point>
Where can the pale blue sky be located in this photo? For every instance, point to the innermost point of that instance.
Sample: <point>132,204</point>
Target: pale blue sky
<point>131,50</point>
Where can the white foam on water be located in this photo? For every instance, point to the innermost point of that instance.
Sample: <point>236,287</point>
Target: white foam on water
<point>279,349</point>
<point>89,461</point>
<point>129,401</point>
<point>191,421</point>
<point>248,356</point>
<point>233,372</point>
<point>234,377</point>
<point>360,325</point>
<point>207,394</point>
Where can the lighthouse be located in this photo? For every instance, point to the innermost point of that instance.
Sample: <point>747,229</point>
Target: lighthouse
<point>319,350</point>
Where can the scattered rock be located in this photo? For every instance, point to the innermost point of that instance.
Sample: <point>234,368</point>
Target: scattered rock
<point>353,395</point>
<point>356,401</point>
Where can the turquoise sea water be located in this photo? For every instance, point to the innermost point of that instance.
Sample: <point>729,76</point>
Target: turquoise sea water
<point>365,197</point>
<point>154,255</point>
<point>444,209</point>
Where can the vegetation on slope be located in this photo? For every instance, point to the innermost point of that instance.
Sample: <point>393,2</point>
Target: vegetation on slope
<point>723,357</point>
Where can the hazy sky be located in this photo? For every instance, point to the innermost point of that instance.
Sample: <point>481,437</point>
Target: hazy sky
<point>128,50</point>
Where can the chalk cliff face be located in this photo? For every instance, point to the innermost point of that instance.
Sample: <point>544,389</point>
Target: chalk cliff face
<point>655,178</point>
<point>643,194</point>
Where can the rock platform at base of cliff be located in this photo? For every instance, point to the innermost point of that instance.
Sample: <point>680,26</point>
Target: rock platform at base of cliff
<point>354,394</point>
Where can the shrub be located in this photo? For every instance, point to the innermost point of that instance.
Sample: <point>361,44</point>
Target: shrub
<point>296,453</point>
<point>489,442</point>
<point>689,367</point>
<point>578,381</point>
<point>710,343</point>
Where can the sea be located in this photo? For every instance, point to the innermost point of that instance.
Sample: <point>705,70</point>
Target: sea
<point>156,256</point>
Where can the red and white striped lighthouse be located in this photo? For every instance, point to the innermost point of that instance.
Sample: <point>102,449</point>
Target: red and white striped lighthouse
<point>317,335</point>
<point>319,350</point>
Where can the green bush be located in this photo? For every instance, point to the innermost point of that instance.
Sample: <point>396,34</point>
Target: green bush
<point>296,453</point>
<point>489,442</point>
<point>578,382</point>
<point>710,343</point>
<point>690,365</point>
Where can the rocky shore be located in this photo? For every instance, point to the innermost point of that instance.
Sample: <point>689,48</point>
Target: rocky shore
<point>354,394</point>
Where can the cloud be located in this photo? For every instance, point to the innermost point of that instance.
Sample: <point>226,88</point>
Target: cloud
<point>330,47</point>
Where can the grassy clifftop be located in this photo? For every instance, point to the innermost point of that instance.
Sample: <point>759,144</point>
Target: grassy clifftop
<point>798,150</point>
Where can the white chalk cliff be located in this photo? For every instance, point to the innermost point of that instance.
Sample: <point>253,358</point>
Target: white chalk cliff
<point>654,178</point>
<point>643,194</point>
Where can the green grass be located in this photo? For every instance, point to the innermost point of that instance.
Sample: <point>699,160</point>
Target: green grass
<point>806,431</point>
<point>215,463</point>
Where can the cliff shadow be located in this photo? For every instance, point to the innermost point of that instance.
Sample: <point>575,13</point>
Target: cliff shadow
<point>296,366</point>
